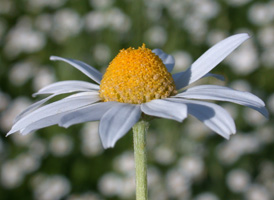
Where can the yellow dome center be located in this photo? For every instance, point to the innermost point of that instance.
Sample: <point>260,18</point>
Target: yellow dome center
<point>136,76</point>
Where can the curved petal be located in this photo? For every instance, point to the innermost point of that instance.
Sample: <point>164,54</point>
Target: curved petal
<point>220,93</point>
<point>167,59</point>
<point>117,121</point>
<point>50,110</point>
<point>63,87</point>
<point>165,109</point>
<point>212,115</point>
<point>89,113</point>
<point>209,60</point>
<point>91,72</point>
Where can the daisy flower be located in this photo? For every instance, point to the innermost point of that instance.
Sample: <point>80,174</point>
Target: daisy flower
<point>139,83</point>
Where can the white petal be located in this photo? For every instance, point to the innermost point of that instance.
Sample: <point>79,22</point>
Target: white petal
<point>167,59</point>
<point>58,107</point>
<point>32,107</point>
<point>212,115</point>
<point>165,109</point>
<point>117,121</point>
<point>63,87</point>
<point>91,72</point>
<point>92,112</point>
<point>209,60</point>
<point>220,93</point>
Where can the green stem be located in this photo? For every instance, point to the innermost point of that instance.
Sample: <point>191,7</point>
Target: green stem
<point>139,137</point>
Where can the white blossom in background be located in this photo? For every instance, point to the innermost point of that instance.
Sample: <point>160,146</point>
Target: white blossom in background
<point>270,103</point>
<point>21,72</point>
<point>266,36</point>
<point>23,39</point>
<point>191,166</point>
<point>257,192</point>
<point>196,130</point>
<point>95,21</point>
<point>164,155</point>
<point>66,23</point>
<point>215,35</point>
<point>91,144</point>
<point>205,9</point>
<point>61,145</point>
<point>38,148</point>
<point>183,60</point>
<point>178,184</point>
<point>110,184</point>
<point>128,188</point>
<point>118,20</point>
<point>43,76</point>
<point>196,27</point>
<point>156,36</point>
<point>252,118</point>
<point>6,6</point>
<point>50,187</point>
<point>124,163</point>
<point>206,196</point>
<point>11,174</point>
<point>44,22</point>
<point>238,180</point>
<point>265,135</point>
<point>16,106</point>
<point>244,60</point>
<point>261,14</point>
<point>230,151</point>
<point>241,85</point>
<point>101,54</point>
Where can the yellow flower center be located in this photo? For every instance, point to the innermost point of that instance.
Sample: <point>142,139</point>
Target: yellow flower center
<point>136,76</point>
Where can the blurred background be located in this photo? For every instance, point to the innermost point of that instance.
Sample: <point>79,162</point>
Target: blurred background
<point>186,160</point>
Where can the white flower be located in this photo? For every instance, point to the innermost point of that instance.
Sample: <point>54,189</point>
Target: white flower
<point>116,118</point>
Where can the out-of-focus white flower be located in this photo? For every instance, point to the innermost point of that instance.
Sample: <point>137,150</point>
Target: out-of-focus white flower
<point>16,106</point>
<point>22,72</point>
<point>156,36</point>
<point>66,23</point>
<point>270,102</point>
<point>27,162</point>
<point>164,155</point>
<point>95,21</point>
<point>183,60</point>
<point>110,184</point>
<point>101,53</point>
<point>238,180</point>
<point>178,184</point>
<point>125,163</point>
<point>239,145</point>
<point>91,144</point>
<point>37,147</point>
<point>6,6</point>
<point>127,191</point>
<point>261,14</point>
<point>266,36</point>
<point>205,9</point>
<point>11,174</point>
<point>206,196</point>
<point>197,28</point>
<point>43,76</point>
<point>191,166</point>
<point>22,38</point>
<point>61,145</point>
<point>215,35</point>
<point>244,60</point>
<point>50,187</point>
<point>252,118</point>
<point>118,20</point>
<point>44,22</point>
<point>257,192</point>
<point>241,85</point>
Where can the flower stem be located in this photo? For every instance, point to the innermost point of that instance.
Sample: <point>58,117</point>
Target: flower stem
<point>139,138</point>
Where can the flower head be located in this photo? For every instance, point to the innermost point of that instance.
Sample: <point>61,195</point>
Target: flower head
<point>139,81</point>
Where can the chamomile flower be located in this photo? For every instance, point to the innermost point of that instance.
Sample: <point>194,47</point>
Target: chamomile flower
<point>138,83</point>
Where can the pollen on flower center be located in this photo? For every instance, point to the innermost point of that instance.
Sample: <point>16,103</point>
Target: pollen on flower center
<point>136,76</point>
